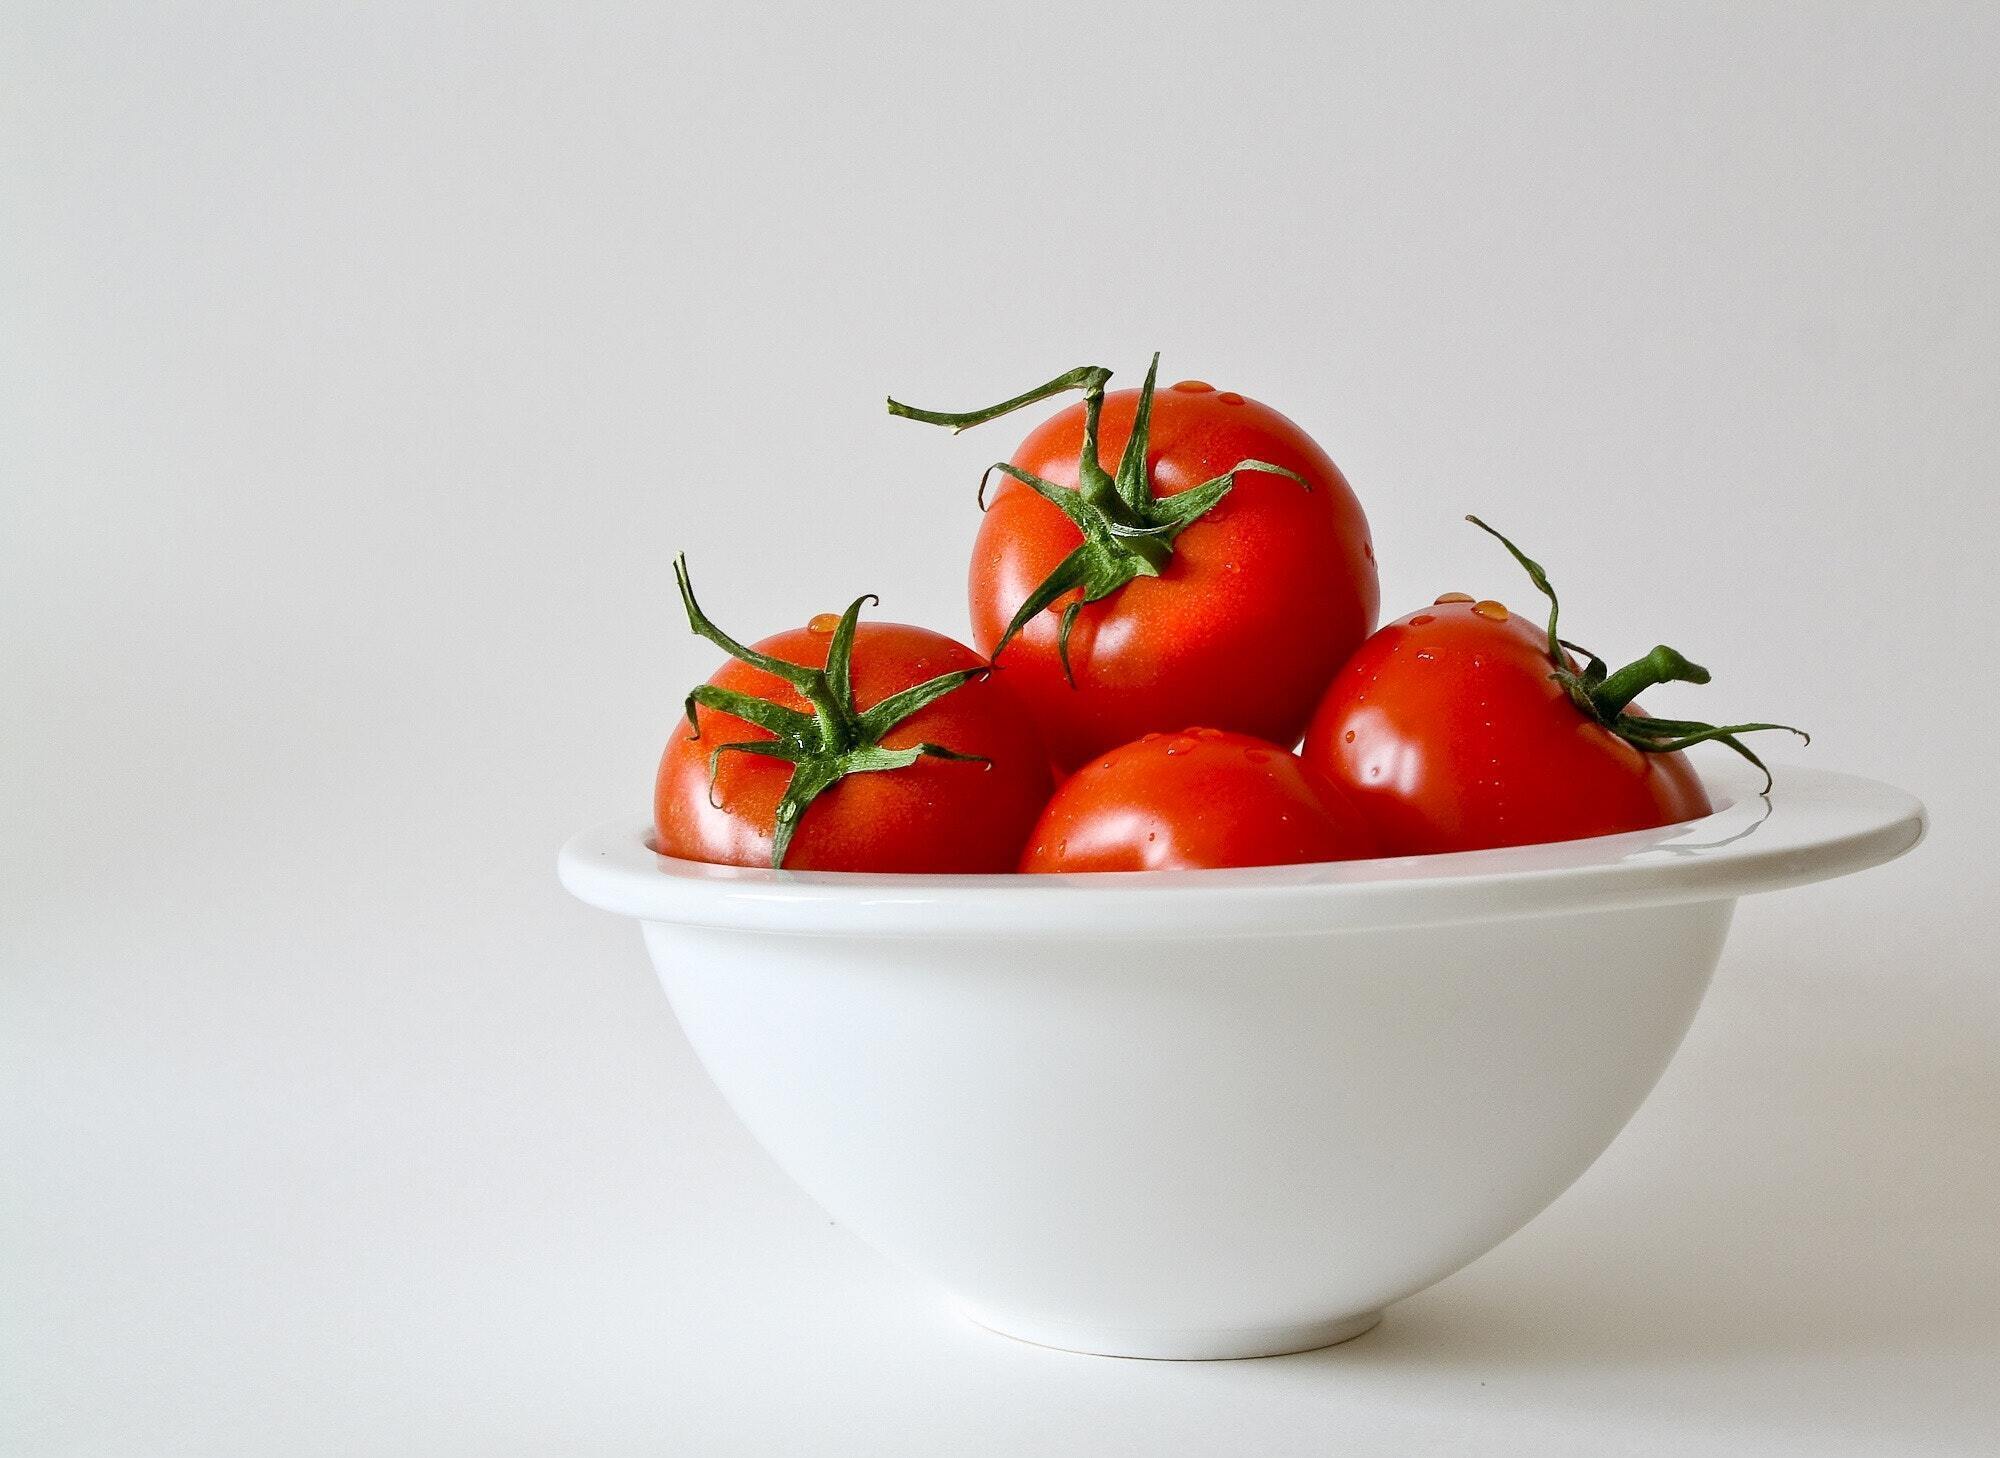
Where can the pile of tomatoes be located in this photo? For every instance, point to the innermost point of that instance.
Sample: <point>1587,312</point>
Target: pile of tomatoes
<point>1170,589</point>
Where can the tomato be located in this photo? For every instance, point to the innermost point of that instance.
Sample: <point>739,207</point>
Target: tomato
<point>1193,586</point>
<point>849,746</point>
<point>1449,734</point>
<point>1465,726</point>
<point>1200,799</point>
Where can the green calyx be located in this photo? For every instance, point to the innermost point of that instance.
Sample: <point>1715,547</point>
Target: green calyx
<point>834,740</point>
<point>1127,531</point>
<point>1604,695</point>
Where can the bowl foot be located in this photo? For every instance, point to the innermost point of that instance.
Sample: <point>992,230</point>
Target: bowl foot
<point>1177,1344</point>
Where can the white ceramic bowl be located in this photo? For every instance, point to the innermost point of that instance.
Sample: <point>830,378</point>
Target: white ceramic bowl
<point>1213,1113</point>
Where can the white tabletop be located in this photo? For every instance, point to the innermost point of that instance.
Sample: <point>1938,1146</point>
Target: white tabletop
<point>328,1186</point>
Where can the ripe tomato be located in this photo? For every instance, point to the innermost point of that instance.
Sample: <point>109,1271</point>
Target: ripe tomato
<point>1201,799</point>
<point>1465,726</point>
<point>847,746</point>
<point>1197,585</point>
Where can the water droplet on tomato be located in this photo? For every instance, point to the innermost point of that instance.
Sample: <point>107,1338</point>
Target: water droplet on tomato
<point>1424,655</point>
<point>1446,597</point>
<point>823,623</point>
<point>1230,397</point>
<point>1152,835</point>
<point>1206,733</point>
<point>1194,387</point>
<point>1421,618</point>
<point>1181,745</point>
<point>1229,566</point>
<point>1348,737</point>
<point>1149,738</point>
<point>1061,846</point>
<point>1495,611</point>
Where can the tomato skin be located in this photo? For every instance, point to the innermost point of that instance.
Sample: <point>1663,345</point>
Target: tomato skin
<point>1261,602</point>
<point>936,815</point>
<point>1447,733</point>
<point>1198,800</point>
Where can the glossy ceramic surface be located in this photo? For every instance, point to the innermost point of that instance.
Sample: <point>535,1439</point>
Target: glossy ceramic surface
<point>1212,1114</point>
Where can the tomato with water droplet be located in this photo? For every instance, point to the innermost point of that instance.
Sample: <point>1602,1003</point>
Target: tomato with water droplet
<point>1431,772</point>
<point>1205,800</point>
<point>935,814</point>
<point>1468,728</point>
<point>1245,611</point>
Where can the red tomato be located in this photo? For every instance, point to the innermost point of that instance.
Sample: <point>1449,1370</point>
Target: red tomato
<point>1237,617</point>
<point>913,798</point>
<point>1463,727</point>
<point>1201,799</point>
<point>1448,733</point>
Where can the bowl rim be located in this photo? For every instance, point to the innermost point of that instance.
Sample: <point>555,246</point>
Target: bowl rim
<point>1815,824</point>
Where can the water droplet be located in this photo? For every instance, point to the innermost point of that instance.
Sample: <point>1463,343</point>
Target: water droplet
<point>823,623</point>
<point>1424,655</point>
<point>1374,771</point>
<point>1421,618</point>
<point>1149,738</point>
<point>1181,745</point>
<point>1230,566</point>
<point>1194,387</point>
<point>1061,846</point>
<point>1105,765</point>
<point>1152,835</point>
<point>1445,597</point>
<point>1348,737</point>
<point>1206,733</point>
<point>1497,611</point>
<point>1230,397</point>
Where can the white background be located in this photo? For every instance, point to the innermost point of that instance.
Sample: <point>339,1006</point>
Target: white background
<point>364,368</point>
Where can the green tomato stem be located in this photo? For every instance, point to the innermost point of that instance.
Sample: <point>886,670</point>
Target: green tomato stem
<point>1662,665</point>
<point>1089,378</point>
<point>1127,532</point>
<point>1607,696</point>
<point>836,739</point>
